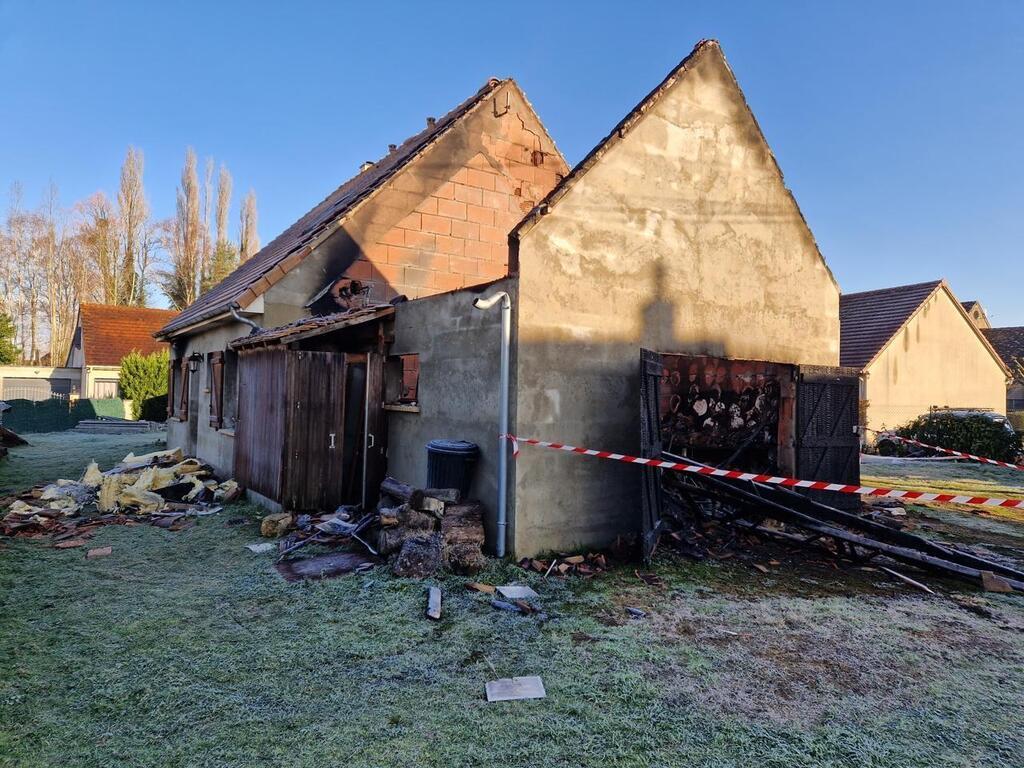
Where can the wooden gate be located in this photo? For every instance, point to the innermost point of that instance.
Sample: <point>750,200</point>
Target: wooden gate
<point>827,439</point>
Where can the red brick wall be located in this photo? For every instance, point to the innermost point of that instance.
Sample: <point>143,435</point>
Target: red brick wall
<point>458,235</point>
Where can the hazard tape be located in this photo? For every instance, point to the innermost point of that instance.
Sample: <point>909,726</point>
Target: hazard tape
<point>951,452</point>
<point>789,482</point>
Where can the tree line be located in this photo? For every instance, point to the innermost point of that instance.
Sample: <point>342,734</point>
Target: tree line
<point>114,251</point>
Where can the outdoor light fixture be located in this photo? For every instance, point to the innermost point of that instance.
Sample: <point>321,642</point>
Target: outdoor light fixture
<point>193,362</point>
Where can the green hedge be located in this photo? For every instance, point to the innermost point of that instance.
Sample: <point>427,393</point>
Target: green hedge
<point>56,414</point>
<point>971,434</point>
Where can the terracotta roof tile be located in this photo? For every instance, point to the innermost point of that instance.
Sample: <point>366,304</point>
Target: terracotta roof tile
<point>109,333</point>
<point>868,320</point>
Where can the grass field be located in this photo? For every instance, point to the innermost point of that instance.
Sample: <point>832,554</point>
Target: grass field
<point>184,649</point>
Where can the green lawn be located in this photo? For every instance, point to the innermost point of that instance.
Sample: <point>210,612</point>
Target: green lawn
<point>184,649</point>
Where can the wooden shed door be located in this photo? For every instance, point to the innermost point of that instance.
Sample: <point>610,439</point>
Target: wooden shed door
<point>260,430</point>
<point>315,471</point>
<point>827,442</point>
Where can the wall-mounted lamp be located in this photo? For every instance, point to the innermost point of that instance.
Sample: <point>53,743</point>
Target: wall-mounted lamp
<point>193,362</point>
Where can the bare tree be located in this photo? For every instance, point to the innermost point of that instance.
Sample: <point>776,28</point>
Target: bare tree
<point>249,239</point>
<point>98,232</point>
<point>135,231</point>
<point>225,257</point>
<point>183,239</point>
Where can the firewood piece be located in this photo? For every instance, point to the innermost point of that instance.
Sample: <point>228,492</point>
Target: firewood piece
<point>411,496</point>
<point>574,559</point>
<point>447,495</point>
<point>487,589</point>
<point>420,557</point>
<point>92,554</point>
<point>70,543</point>
<point>433,506</point>
<point>416,520</point>
<point>390,540</point>
<point>434,603</point>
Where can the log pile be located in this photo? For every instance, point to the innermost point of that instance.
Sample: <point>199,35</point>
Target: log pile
<point>422,530</point>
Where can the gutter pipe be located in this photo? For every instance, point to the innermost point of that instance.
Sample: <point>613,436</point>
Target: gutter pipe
<point>506,343</point>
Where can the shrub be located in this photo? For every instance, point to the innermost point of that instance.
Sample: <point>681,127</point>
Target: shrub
<point>144,377</point>
<point>975,434</point>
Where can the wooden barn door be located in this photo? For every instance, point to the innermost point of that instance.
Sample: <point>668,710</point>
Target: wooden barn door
<point>315,476</point>
<point>262,415</point>
<point>827,440</point>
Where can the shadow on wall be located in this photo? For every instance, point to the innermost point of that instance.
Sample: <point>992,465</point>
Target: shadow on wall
<point>588,394</point>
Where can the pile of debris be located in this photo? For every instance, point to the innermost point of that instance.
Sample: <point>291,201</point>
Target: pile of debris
<point>699,512</point>
<point>164,487</point>
<point>8,439</point>
<point>418,530</point>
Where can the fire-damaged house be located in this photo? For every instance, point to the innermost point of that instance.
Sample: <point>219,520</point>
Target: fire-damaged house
<point>676,235</point>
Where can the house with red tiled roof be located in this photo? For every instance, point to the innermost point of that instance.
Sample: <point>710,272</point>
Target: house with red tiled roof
<point>104,335</point>
<point>918,348</point>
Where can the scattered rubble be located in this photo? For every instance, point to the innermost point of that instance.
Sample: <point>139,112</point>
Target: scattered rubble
<point>418,530</point>
<point>585,566</point>
<point>163,488</point>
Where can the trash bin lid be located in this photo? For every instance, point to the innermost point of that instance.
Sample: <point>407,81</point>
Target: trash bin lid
<point>454,447</point>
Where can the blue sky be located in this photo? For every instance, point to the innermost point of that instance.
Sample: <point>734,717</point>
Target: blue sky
<point>899,127</point>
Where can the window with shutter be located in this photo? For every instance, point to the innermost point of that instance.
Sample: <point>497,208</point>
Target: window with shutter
<point>170,386</point>
<point>215,369</point>
<point>183,397</point>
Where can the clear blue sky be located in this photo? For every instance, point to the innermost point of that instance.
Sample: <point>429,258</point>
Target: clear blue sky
<point>899,129</point>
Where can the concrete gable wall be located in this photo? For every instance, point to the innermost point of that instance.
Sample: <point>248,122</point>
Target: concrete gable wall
<point>441,223</point>
<point>682,237</point>
<point>936,360</point>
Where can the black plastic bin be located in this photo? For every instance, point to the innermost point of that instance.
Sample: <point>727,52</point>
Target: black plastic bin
<point>450,464</point>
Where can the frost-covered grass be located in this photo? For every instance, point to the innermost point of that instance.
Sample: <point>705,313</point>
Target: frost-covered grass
<point>184,649</point>
<point>53,455</point>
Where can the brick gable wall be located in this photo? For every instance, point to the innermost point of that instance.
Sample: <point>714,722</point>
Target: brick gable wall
<point>458,234</point>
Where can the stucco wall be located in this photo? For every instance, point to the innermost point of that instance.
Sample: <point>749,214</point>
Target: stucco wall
<point>217,447</point>
<point>459,356</point>
<point>681,238</point>
<point>936,360</point>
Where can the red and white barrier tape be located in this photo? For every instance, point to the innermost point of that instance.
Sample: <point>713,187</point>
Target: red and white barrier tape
<point>789,482</point>
<point>951,452</point>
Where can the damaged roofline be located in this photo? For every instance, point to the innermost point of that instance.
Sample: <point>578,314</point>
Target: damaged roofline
<point>218,312</point>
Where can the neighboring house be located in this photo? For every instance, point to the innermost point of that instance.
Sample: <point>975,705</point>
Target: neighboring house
<point>676,233</point>
<point>977,313</point>
<point>918,348</point>
<point>1009,343</point>
<point>102,336</point>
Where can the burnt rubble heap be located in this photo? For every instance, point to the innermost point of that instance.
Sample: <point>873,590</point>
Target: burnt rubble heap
<point>419,531</point>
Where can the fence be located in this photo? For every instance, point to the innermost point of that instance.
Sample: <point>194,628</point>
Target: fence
<point>57,414</point>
